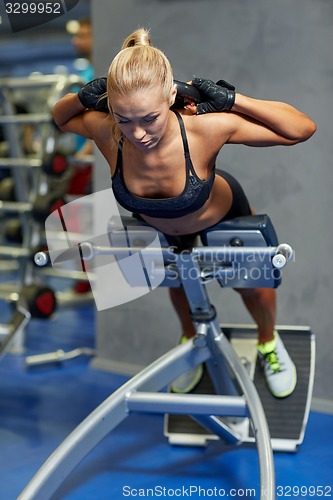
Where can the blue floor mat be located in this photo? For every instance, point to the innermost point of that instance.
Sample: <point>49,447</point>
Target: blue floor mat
<point>39,407</point>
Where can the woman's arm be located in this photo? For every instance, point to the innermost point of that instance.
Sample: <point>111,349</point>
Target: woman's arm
<point>262,123</point>
<point>238,119</point>
<point>68,114</point>
<point>73,112</point>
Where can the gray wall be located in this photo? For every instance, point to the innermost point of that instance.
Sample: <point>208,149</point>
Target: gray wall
<point>269,50</point>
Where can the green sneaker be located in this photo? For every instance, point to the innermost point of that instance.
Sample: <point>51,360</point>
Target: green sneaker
<point>189,380</point>
<point>279,370</point>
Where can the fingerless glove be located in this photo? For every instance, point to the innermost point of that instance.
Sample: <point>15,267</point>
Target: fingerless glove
<point>93,95</point>
<point>215,97</point>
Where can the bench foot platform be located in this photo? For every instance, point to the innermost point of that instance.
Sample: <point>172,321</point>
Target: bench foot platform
<point>287,417</point>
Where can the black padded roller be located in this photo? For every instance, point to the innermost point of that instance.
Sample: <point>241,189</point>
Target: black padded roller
<point>187,90</point>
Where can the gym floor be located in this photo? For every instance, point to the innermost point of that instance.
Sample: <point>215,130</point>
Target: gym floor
<point>40,406</point>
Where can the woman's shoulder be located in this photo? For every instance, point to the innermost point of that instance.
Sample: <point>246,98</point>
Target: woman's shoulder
<point>211,126</point>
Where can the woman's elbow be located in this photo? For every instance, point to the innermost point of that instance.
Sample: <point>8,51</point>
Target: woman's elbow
<point>308,129</point>
<point>311,129</point>
<point>65,110</point>
<point>57,116</point>
<point>58,124</point>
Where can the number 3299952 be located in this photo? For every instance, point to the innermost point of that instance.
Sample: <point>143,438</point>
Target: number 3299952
<point>304,491</point>
<point>33,8</point>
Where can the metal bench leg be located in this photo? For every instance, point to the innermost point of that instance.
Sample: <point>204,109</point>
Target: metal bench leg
<point>261,431</point>
<point>154,378</point>
<point>106,417</point>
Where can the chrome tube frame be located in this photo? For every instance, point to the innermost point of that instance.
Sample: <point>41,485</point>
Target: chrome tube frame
<point>142,392</point>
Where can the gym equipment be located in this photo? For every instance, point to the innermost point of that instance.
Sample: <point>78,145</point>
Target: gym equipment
<point>55,164</point>
<point>13,232</point>
<point>185,90</point>
<point>40,209</point>
<point>37,299</point>
<point>57,357</point>
<point>46,204</point>
<point>232,409</point>
<point>12,333</point>
<point>31,192</point>
<point>7,189</point>
<point>40,300</point>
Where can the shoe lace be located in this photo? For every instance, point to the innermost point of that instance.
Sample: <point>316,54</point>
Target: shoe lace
<point>273,361</point>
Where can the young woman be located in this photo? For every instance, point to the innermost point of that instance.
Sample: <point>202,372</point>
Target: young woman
<point>162,164</point>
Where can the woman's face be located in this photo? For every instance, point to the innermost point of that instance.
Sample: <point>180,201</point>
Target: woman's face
<point>142,116</point>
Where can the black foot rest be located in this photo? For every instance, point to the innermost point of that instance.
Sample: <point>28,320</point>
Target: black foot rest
<point>287,418</point>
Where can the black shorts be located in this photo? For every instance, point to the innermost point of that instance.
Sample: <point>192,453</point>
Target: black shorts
<point>240,207</point>
<point>240,204</point>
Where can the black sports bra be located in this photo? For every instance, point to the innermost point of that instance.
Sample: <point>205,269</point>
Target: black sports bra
<point>194,195</point>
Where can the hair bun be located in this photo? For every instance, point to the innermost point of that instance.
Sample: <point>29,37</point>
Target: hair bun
<point>138,37</point>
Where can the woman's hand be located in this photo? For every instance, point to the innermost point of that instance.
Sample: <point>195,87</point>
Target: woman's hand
<point>93,95</point>
<point>215,97</point>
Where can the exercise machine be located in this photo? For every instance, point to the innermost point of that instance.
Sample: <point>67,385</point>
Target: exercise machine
<point>239,253</point>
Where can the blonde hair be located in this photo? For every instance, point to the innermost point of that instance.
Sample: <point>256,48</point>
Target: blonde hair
<point>138,66</point>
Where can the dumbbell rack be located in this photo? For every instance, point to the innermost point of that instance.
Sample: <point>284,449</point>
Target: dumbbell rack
<point>36,194</point>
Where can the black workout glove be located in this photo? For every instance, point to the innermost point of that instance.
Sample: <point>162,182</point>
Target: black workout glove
<point>215,97</point>
<point>93,95</point>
